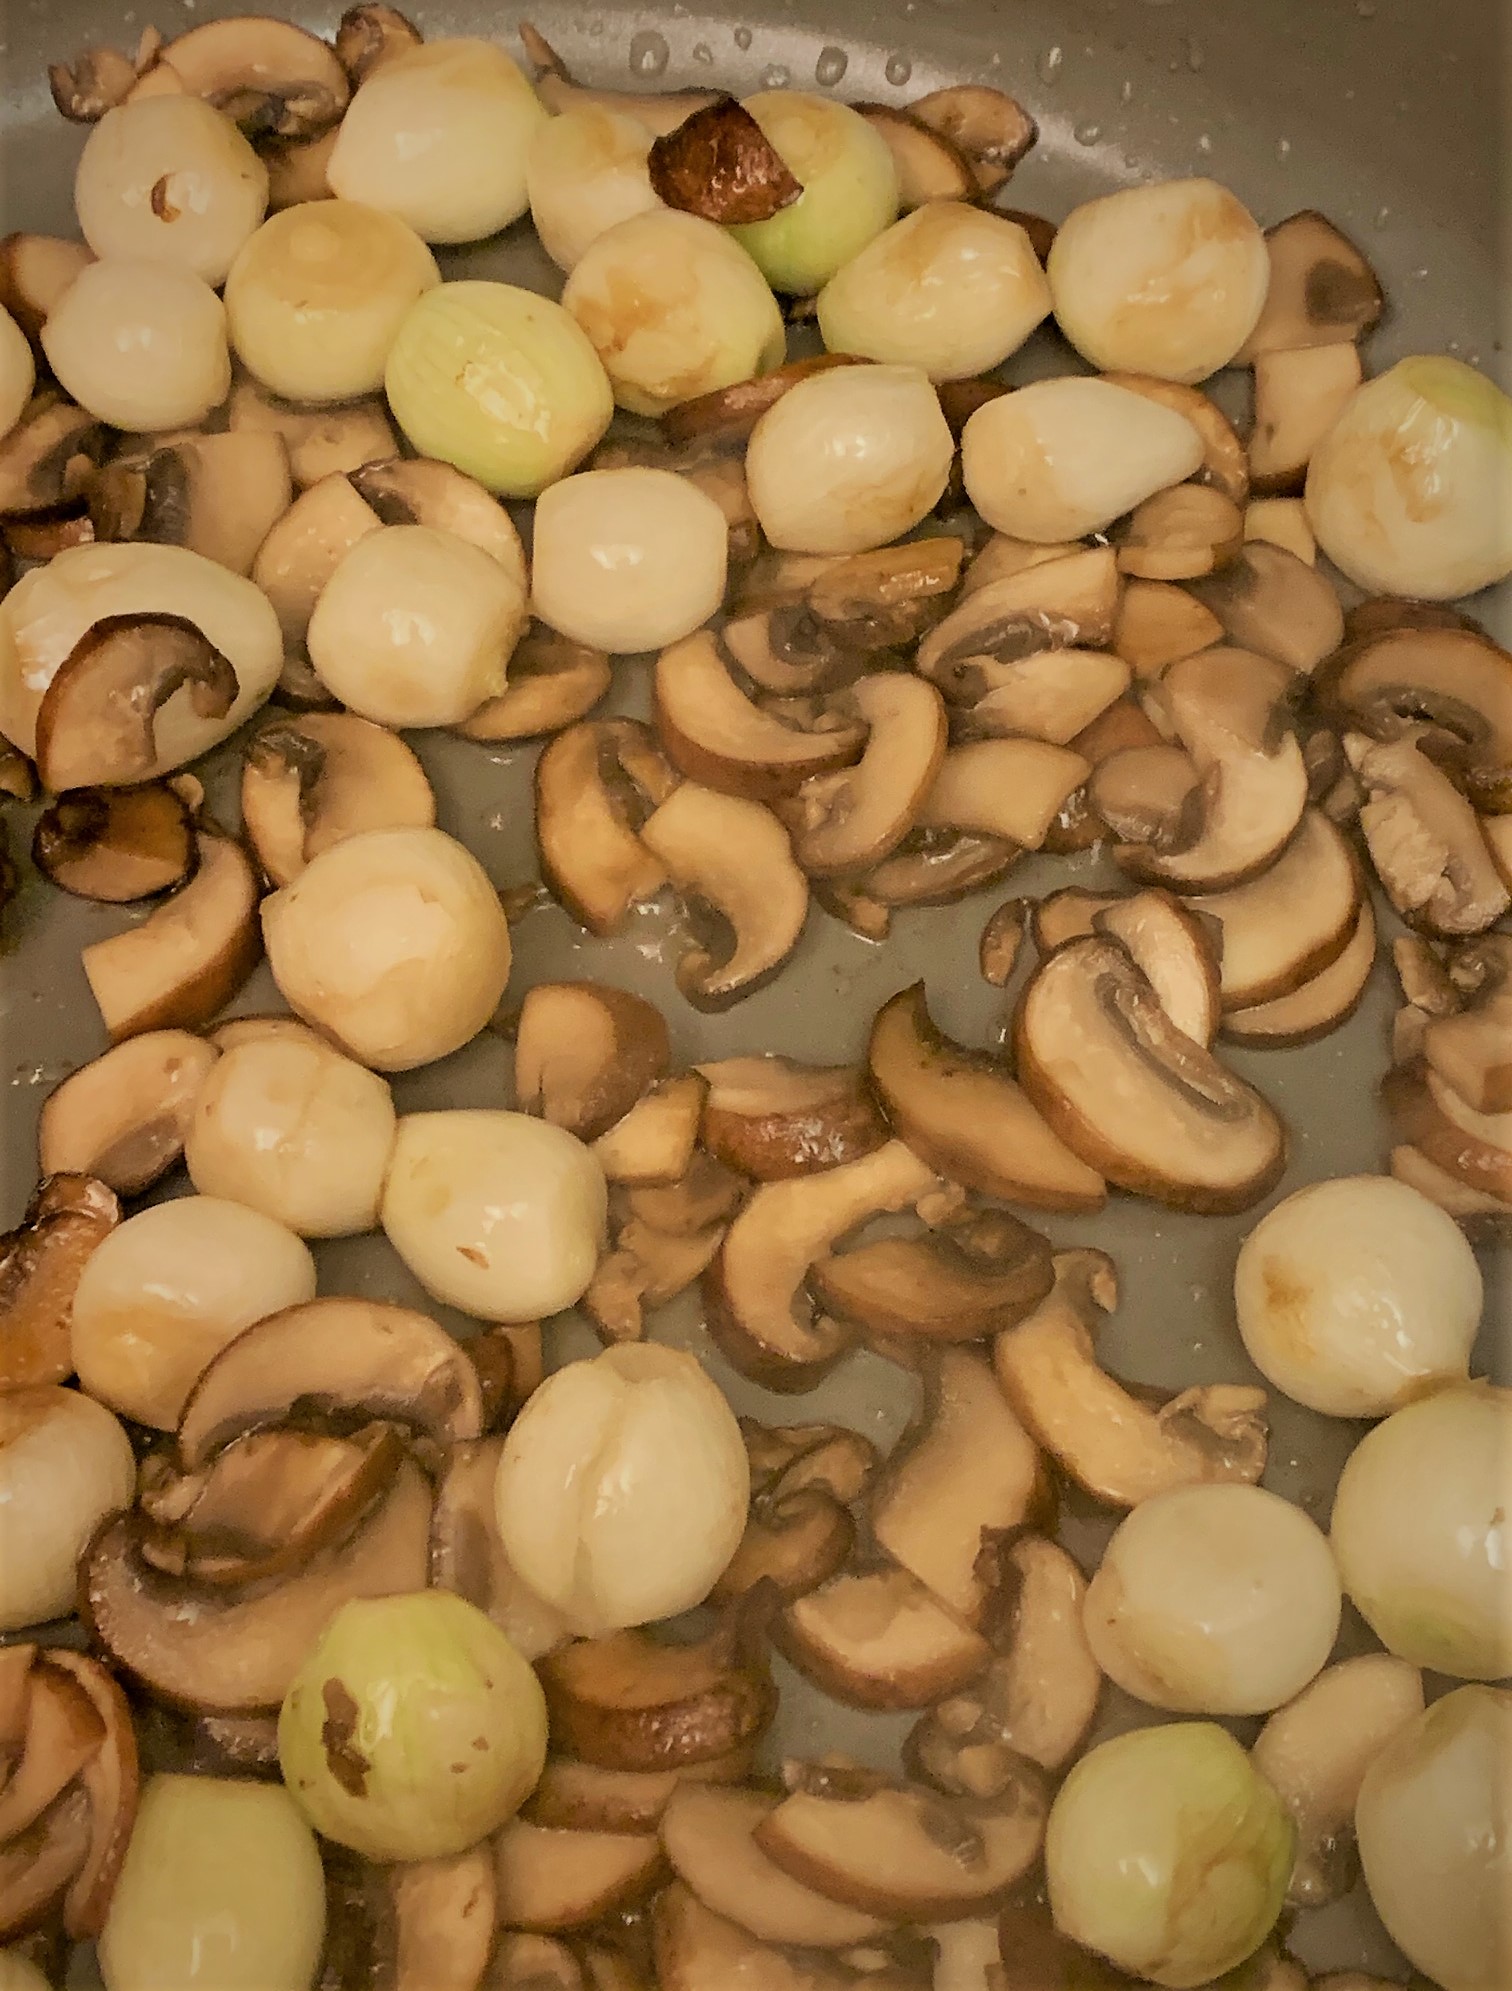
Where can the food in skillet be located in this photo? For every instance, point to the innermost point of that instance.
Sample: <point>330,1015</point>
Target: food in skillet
<point>410,1665</point>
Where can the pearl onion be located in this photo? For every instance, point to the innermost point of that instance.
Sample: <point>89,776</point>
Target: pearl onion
<point>317,295</point>
<point>18,372</point>
<point>1353,1295</point>
<point>1214,1600</point>
<point>172,180</point>
<point>141,345</point>
<point>394,943</point>
<point>496,1213</point>
<point>290,1127</point>
<point>164,1292</point>
<point>1167,279</point>
<point>586,170</point>
<point>416,627</point>
<point>629,559</point>
<point>65,1463</point>
<point>674,309</point>
<point>849,460</point>
<point>622,1488</point>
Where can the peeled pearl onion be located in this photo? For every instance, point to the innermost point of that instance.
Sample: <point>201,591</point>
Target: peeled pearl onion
<point>18,372</point>
<point>629,559</point>
<point>141,345</point>
<point>586,170</point>
<point>65,1464</point>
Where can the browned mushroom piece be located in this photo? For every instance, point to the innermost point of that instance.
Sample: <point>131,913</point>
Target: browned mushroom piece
<point>585,1052</point>
<point>40,1266</point>
<point>851,820</point>
<point>595,786</point>
<point>123,1116</point>
<point>1133,1095</point>
<point>1052,695</point>
<point>1299,396</point>
<point>1006,788</point>
<point>18,778</point>
<point>727,415</point>
<point>218,495</point>
<point>980,1271</point>
<point>548,1880</point>
<point>109,1779</point>
<point>321,442</point>
<point>1271,602</point>
<point>709,1193</point>
<point>1001,939</point>
<point>902,1851</point>
<point>644,1269</point>
<point>305,548</point>
<point>1224,464</point>
<point>1001,557</point>
<point>585,1797</point>
<point>697,1950</point>
<point>1180,534</point>
<point>659,111</point>
<point>310,781</point>
<point>93,83</point>
<point>371,34</point>
<point>297,172</point>
<point>753,1290</point>
<point>1428,1114</point>
<point>272,78</point>
<point>49,458</point>
<point>963,1112</point>
<point>1177,950</point>
<point>732,863</point>
<point>1151,797</point>
<point>43,535</point>
<point>799,1531</point>
<point>1120,1446</point>
<point>115,845</point>
<point>553,683</point>
<point>1069,603</point>
<point>931,166</point>
<point>628,1702</point>
<point>652,1144</point>
<point>1159,624</point>
<point>1322,292</point>
<point>1289,924</point>
<point>1470,1046</point>
<point>511,1366</point>
<point>96,723</point>
<point>720,165</point>
<point>878,1638</point>
<point>235,1652</point>
<point>337,1356</point>
<point>992,129</point>
<point>785,652</point>
<point>1038,227</point>
<point>772,1118</point>
<point>420,491</point>
<point>714,734</point>
<point>523,1962</point>
<point>1066,915</point>
<point>1424,838</point>
<point>931,1513</point>
<point>467,1557</point>
<point>35,270</point>
<point>887,598</point>
<point>1036,1698</point>
<point>936,867</point>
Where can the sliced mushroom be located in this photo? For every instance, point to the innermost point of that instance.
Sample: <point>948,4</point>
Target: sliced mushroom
<point>652,1143</point>
<point>658,111</point>
<point>881,600</point>
<point>40,1266</point>
<point>241,1653</point>
<point>1475,1148</point>
<point>1314,1753</point>
<point>321,442</point>
<point>1474,1208</point>
<point>992,129</point>
<point>645,1268</point>
<point>190,955</point>
<point>752,1290</point>
<point>548,1880</point>
<point>1121,1447</point>
<point>627,1702</point>
<point>420,491</point>
<point>553,683</point>
<point>1180,534</point>
<point>797,1536</point>
<point>123,1116</point>
<point>1002,556</point>
<point>341,1357</point>
<point>772,1118</point>
<point>1289,924</point>
<point>979,1272</point>
<point>1273,603</point>
<point>968,1472</point>
<point>931,166</point>
<point>707,1834</point>
<point>467,1557</point>
<point>733,857</point>
<point>370,35</point>
<point>49,458</point>
<point>298,171</point>
<point>902,1851</point>
<point>1469,1050</point>
<point>697,1950</point>
<point>1322,292</point>
<point>727,415</point>
<point>708,1194</point>
<point>35,270</point>
<point>595,786</point>
<point>1159,624</point>
<point>1002,937</point>
<point>1036,1699</point>
<point>62,1733</point>
<point>714,734</point>
<point>272,78</point>
<point>585,1797</point>
<point>935,867</point>
<point>218,495</point>
<point>1064,604</point>
<point>880,1639</point>
<point>1066,915</point>
<point>962,1111</point>
<point>1224,465</point>
<point>1053,695</point>
<point>585,1052</point>
<point>1299,395</point>
<point>115,845</point>
<point>1423,837</point>
<point>38,1867</point>
<point>310,781</point>
<point>1176,950</point>
<point>1149,796</point>
<point>532,1963</point>
<point>720,165</point>
<point>850,821</point>
<point>306,546</point>
<point>1004,788</point>
<point>786,653</point>
<point>110,1781</point>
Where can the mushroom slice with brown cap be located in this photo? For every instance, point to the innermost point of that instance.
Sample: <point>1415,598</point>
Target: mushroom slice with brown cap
<point>850,820</point>
<point>439,1922</point>
<point>1474,1148</point>
<point>110,1780</point>
<point>42,535</point>
<point>1271,602</point>
<point>239,1653</point>
<point>772,1118</point>
<point>371,34</point>
<point>709,1193</point>
<point>96,723</point>
<point>1180,534</point>
<point>1317,1006</point>
<point>1299,396</point>
<point>219,495</point>
<point>272,78</point>
<point>1037,1698</point>
<point>1120,1447</point>
<point>714,734</point>
<point>879,1639</point>
<point>62,1732</point>
<point>653,1143</point>
<point>697,1950</point>
<point>1176,950</point>
<point>645,1269</point>
<point>40,1265</point>
<point>93,83</point>
<point>595,786</point>
<point>1053,695</point>
<point>628,1702</point>
<point>934,868</point>
<point>18,778</point>
<point>585,1797</point>
<point>1160,623</point>
<point>49,458</point>
<point>1314,1753</point>
<point>420,491</point>
<point>707,1833</point>
<point>333,1357</point>
<point>1224,464</point>
<point>548,1880</point>
<point>1132,1094</point>
<point>1057,604</point>
<point>1004,788</point>
<point>1472,1049</point>
<point>887,598</point>
<point>992,129</point>
<point>727,415</point>
<point>585,1052</point>
<point>313,779</point>
<point>1322,291</point>
<point>900,1850</point>
<point>968,1472</point>
<point>323,441</point>
<point>1002,937</point>
<point>1290,923</point>
<point>1149,796</point>
<point>931,166</point>
<point>963,1112</point>
<point>305,547</point>
<point>532,1963</point>
<point>467,1556</point>
<point>794,1540</point>
<point>553,683</point>
<point>720,165</point>
<point>115,845</point>
<point>752,1290</point>
<point>41,1863</point>
<point>659,111</point>
<point>1066,915</point>
<point>1424,839</point>
<point>1003,556</point>
<point>733,857</point>
<point>35,270</point>
<point>978,1273</point>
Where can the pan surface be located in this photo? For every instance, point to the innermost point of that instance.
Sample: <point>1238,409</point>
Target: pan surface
<point>1382,113</point>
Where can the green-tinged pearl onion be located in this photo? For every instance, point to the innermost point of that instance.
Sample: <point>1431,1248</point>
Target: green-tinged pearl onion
<point>1410,493</point>
<point>1434,1824</point>
<point>1167,1852</point>
<point>221,1890</point>
<point>1422,1536</point>
<point>500,382</point>
<point>413,1730</point>
<point>850,190</point>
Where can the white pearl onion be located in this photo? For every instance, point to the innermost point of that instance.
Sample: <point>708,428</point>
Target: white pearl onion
<point>18,371</point>
<point>497,1213</point>
<point>586,170</point>
<point>164,1292</point>
<point>289,1126</point>
<point>65,1463</point>
<point>629,559</point>
<point>141,345</point>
